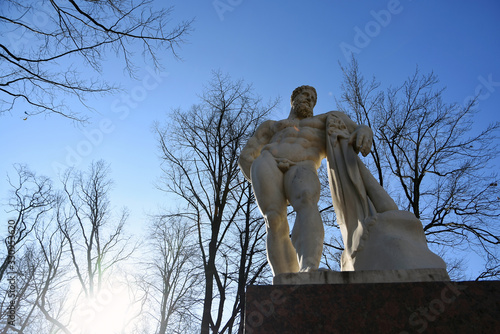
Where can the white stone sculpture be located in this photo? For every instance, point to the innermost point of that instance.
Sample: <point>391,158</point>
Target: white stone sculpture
<point>281,161</point>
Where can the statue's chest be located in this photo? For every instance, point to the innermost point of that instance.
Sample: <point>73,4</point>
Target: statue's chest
<point>309,124</point>
<point>306,129</point>
<point>285,125</point>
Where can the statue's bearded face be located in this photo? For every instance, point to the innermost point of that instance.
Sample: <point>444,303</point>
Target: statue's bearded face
<point>303,103</point>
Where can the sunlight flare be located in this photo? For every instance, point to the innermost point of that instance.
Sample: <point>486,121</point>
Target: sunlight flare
<point>107,312</point>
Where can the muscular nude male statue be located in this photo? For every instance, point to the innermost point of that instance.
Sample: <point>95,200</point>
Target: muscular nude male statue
<point>281,160</point>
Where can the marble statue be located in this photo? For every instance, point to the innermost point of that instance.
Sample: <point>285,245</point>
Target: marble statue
<point>281,161</point>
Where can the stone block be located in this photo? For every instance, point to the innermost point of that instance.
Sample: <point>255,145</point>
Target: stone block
<point>400,308</point>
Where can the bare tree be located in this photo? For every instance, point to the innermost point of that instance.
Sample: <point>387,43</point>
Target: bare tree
<point>31,198</point>
<point>96,243</point>
<point>200,150</point>
<point>39,275</point>
<point>363,101</point>
<point>55,238</point>
<point>251,266</point>
<point>172,275</point>
<point>436,164</point>
<point>47,37</point>
<point>491,271</point>
<point>16,303</point>
<point>52,278</point>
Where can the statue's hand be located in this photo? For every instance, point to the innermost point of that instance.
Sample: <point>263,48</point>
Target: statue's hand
<point>362,139</point>
<point>335,125</point>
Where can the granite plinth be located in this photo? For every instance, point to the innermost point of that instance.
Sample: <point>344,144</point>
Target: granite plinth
<point>401,308</point>
<point>362,276</point>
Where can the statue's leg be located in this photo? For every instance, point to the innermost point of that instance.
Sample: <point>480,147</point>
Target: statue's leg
<point>302,187</point>
<point>267,182</point>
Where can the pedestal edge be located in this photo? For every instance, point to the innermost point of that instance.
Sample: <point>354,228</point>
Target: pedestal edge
<point>362,276</point>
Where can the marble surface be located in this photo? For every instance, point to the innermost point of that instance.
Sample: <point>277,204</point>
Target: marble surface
<point>281,161</point>
<point>362,276</point>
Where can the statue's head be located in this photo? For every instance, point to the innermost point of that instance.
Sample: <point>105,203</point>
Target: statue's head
<point>303,100</point>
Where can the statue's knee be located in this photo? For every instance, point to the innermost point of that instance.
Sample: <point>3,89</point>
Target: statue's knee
<point>277,223</point>
<point>307,197</point>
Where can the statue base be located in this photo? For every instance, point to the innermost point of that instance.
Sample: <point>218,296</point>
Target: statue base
<point>362,276</point>
<point>400,308</point>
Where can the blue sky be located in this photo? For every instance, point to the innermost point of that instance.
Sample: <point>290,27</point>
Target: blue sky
<point>276,46</point>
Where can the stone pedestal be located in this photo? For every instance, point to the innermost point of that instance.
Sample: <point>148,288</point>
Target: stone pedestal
<point>411,307</point>
<point>363,276</point>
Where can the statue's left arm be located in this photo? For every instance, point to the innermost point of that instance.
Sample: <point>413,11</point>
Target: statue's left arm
<point>361,136</point>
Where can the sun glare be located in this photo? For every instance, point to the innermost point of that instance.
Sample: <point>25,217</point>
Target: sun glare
<point>108,312</point>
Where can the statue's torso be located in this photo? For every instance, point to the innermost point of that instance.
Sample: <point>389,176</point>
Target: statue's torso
<point>298,140</point>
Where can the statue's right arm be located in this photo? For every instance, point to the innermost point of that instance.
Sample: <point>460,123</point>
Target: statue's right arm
<point>252,149</point>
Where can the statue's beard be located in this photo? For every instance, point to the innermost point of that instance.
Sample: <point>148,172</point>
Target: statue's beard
<point>303,110</point>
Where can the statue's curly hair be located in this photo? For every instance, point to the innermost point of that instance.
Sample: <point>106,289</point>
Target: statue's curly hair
<point>299,90</point>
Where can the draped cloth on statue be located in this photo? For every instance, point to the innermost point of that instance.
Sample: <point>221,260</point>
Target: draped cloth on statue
<point>353,207</point>
<point>376,234</point>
